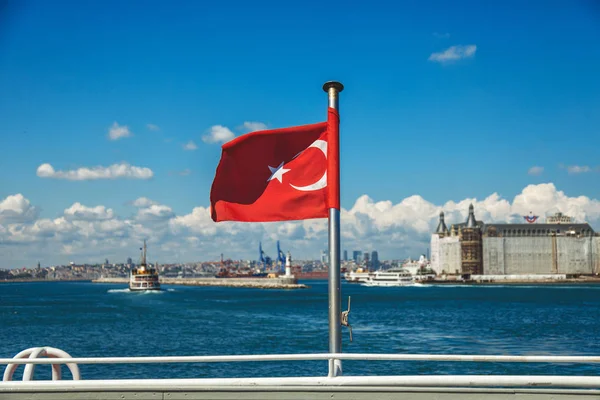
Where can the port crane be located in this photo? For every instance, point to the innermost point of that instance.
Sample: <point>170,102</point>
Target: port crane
<point>263,259</point>
<point>266,261</point>
<point>280,259</point>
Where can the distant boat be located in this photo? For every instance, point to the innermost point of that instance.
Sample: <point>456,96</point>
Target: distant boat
<point>143,277</point>
<point>358,276</point>
<point>391,277</point>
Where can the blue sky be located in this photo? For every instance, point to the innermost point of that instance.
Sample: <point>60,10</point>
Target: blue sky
<point>527,94</point>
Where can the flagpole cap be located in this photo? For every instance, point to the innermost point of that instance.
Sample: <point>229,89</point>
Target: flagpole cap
<point>333,84</point>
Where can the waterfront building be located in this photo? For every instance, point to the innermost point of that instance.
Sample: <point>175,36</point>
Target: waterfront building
<point>356,256</point>
<point>445,250</point>
<point>557,247</point>
<point>541,249</point>
<point>345,255</point>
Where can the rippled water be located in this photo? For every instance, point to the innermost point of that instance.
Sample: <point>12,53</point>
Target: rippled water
<point>88,319</point>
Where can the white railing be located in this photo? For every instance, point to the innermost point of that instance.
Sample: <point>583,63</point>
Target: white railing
<point>482,381</point>
<point>306,357</point>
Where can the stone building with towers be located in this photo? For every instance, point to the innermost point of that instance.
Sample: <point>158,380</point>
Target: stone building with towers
<point>458,250</point>
<point>558,246</point>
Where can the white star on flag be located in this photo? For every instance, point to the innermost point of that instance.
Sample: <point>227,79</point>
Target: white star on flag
<point>277,173</point>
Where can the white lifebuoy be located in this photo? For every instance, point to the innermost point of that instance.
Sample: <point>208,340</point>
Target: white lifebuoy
<point>36,352</point>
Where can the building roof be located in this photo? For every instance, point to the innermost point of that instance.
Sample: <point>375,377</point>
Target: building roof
<point>578,227</point>
<point>461,225</point>
<point>442,225</point>
<point>520,228</point>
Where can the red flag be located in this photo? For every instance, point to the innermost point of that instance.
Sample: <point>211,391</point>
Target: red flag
<point>279,175</point>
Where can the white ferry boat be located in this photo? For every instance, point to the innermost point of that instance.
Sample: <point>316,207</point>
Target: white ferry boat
<point>143,277</point>
<point>391,277</point>
<point>357,276</point>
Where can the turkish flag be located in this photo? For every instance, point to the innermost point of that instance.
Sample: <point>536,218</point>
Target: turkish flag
<point>279,175</point>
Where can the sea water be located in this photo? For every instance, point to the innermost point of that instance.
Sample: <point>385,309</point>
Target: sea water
<point>95,320</point>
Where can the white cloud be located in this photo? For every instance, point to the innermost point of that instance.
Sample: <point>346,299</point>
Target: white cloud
<point>218,133</point>
<point>115,171</point>
<point>153,127</point>
<point>198,221</point>
<point>116,131</point>
<point>250,126</point>
<point>454,53</point>
<point>87,233</point>
<point>17,208</point>
<point>578,169</point>
<point>155,211</point>
<point>190,145</point>
<point>544,199</point>
<point>535,171</point>
<point>143,202</point>
<point>81,212</point>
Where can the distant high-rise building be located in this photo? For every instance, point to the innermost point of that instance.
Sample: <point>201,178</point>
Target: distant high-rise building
<point>129,260</point>
<point>356,256</point>
<point>366,260</point>
<point>375,259</point>
<point>106,261</point>
<point>345,255</point>
<point>324,257</point>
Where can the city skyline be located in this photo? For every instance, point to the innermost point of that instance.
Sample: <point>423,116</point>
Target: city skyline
<point>112,117</point>
<point>396,231</point>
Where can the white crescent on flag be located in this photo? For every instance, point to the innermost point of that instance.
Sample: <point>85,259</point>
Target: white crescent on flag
<point>321,183</point>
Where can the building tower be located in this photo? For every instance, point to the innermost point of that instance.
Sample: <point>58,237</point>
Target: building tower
<point>441,230</point>
<point>471,246</point>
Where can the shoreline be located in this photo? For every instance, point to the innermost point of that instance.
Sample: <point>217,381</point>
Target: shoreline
<point>287,283</point>
<point>21,280</point>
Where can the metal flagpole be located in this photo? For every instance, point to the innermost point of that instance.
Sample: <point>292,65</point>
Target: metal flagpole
<point>333,89</point>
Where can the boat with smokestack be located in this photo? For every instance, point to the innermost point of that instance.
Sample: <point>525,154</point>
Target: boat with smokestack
<point>360,275</point>
<point>144,277</point>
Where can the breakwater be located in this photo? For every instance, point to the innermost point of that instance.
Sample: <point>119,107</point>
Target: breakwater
<point>258,283</point>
